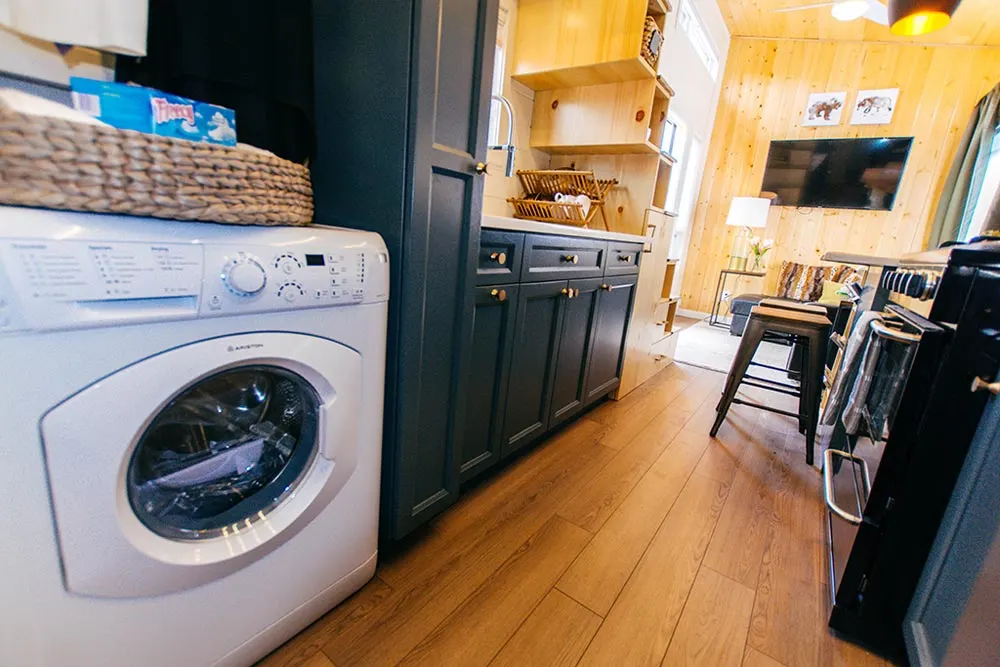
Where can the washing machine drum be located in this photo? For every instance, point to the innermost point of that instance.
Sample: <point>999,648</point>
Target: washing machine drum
<point>229,448</point>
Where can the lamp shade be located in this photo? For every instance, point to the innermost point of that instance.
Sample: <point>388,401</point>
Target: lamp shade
<point>919,17</point>
<point>748,212</point>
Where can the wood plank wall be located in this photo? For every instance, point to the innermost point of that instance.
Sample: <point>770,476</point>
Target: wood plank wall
<point>764,92</point>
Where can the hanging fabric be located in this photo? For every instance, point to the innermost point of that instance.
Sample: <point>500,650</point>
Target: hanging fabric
<point>116,26</point>
<point>965,179</point>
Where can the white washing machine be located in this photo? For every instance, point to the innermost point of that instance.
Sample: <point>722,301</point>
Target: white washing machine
<point>190,435</point>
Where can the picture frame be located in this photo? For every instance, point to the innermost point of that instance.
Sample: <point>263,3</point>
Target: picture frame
<point>875,106</point>
<point>824,109</point>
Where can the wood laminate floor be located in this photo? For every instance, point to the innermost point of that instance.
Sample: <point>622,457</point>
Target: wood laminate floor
<point>628,538</point>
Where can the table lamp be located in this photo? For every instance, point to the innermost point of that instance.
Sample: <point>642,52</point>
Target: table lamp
<point>748,213</point>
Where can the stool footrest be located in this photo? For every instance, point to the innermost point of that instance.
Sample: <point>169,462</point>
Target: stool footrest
<point>789,390</point>
<point>740,401</point>
<point>769,367</point>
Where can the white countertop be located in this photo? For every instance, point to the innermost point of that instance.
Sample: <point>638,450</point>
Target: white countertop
<point>535,227</point>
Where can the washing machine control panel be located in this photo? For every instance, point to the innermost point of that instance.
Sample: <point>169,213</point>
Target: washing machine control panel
<point>286,279</point>
<point>67,284</point>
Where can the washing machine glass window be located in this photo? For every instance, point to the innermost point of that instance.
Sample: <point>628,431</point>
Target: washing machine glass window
<point>224,452</point>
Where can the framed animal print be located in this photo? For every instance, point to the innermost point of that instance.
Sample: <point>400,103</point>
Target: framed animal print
<point>874,107</point>
<point>824,109</point>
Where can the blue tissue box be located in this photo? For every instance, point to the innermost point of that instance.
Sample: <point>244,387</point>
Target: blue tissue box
<point>154,112</point>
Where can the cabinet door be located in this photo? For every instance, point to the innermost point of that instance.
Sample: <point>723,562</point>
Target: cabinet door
<point>536,339</point>
<point>570,372</point>
<point>614,305</point>
<point>450,93</point>
<point>487,376</point>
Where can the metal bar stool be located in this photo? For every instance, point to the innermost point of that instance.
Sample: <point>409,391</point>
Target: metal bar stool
<point>809,327</point>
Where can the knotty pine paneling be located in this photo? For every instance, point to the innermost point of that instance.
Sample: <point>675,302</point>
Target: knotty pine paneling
<point>765,88</point>
<point>976,22</point>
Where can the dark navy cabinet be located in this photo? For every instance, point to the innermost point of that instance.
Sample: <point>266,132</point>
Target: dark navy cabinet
<point>402,112</point>
<point>614,305</point>
<point>555,348</point>
<point>487,377</point>
<point>570,371</point>
<point>536,341</point>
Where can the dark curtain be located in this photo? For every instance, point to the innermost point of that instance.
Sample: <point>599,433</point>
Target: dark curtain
<point>965,179</point>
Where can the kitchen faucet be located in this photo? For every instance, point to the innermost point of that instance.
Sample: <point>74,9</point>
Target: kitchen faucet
<point>509,146</point>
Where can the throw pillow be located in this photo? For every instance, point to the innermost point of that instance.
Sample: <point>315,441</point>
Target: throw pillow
<point>800,281</point>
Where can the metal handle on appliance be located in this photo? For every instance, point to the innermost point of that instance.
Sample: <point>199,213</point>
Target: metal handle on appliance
<point>828,483</point>
<point>894,334</point>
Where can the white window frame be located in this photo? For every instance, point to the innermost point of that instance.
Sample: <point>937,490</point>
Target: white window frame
<point>691,25</point>
<point>499,76</point>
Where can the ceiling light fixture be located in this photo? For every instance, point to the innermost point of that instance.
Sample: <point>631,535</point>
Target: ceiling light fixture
<point>848,10</point>
<point>919,17</point>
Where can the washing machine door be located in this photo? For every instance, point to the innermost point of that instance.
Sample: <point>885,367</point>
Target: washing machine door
<point>191,464</point>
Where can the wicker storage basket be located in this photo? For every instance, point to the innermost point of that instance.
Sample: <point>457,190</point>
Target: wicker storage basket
<point>651,48</point>
<point>55,163</point>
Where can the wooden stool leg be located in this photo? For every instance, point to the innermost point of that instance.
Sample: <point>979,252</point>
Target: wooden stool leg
<point>815,368</point>
<point>752,336</point>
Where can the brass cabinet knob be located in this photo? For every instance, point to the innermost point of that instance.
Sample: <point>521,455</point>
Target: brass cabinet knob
<point>606,287</point>
<point>481,168</point>
<point>571,259</point>
<point>570,293</point>
<point>499,257</point>
<point>625,258</point>
<point>499,294</point>
<point>979,384</point>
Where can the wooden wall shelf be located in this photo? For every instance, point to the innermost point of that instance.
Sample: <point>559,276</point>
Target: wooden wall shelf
<point>643,148</point>
<point>611,118</point>
<point>568,43</point>
<point>587,75</point>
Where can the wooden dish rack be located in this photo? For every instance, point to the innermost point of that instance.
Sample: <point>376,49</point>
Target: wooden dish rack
<point>547,182</point>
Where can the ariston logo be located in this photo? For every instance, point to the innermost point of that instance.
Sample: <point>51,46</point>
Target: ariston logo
<point>245,346</point>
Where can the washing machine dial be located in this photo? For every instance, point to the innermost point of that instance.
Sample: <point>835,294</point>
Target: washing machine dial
<point>244,276</point>
<point>290,291</point>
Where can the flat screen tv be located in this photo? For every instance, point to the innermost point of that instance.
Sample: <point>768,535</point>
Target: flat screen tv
<point>836,173</point>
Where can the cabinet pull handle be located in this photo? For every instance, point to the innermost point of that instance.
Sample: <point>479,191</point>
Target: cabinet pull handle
<point>499,257</point>
<point>499,294</point>
<point>625,258</point>
<point>481,169</point>
<point>661,324</point>
<point>570,293</point>
<point>571,259</point>
<point>606,287</point>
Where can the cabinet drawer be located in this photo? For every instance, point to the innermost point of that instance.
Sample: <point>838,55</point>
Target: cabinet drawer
<point>623,258</point>
<point>500,255</point>
<point>558,258</point>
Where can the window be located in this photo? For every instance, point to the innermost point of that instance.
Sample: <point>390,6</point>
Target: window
<point>677,150</point>
<point>988,194</point>
<point>499,71</point>
<point>691,25</point>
